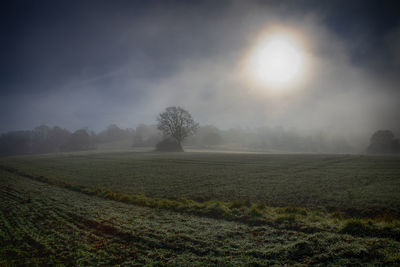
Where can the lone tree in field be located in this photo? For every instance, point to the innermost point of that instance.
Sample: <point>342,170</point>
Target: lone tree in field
<point>176,124</point>
<point>383,142</point>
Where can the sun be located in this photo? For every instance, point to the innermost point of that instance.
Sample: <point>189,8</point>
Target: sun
<point>277,60</point>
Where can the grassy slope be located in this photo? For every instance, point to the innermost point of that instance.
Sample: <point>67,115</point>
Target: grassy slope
<point>364,184</point>
<point>45,224</point>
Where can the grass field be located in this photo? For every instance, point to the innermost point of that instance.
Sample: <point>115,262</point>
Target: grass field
<point>200,209</point>
<point>364,184</point>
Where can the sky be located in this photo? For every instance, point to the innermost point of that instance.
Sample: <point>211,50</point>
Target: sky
<point>93,63</point>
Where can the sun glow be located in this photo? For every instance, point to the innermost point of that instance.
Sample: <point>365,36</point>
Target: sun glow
<point>277,60</point>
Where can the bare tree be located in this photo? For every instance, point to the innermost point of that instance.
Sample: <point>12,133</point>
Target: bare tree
<point>176,123</point>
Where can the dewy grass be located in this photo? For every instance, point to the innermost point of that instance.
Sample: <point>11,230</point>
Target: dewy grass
<point>49,220</point>
<point>357,186</point>
<point>291,217</point>
<point>368,228</point>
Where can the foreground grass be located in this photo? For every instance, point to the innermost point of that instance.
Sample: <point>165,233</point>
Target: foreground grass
<point>43,223</point>
<point>295,218</point>
<point>365,186</point>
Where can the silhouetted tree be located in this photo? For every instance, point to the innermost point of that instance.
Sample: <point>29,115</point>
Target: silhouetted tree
<point>177,123</point>
<point>79,140</point>
<point>114,133</point>
<point>44,139</point>
<point>396,146</point>
<point>146,135</point>
<point>58,139</point>
<point>15,143</point>
<point>40,136</point>
<point>382,141</point>
<point>47,140</point>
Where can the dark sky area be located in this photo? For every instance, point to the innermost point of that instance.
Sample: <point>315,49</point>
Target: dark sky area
<point>93,63</point>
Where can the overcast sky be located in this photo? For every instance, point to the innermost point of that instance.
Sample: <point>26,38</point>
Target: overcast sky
<point>92,63</point>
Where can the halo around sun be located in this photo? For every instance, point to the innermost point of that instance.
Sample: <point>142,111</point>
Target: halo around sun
<point>277,60</point>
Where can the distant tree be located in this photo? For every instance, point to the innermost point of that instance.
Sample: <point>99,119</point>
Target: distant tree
<point>114,133</point>
<point>208,135</point>
<point>58,139</point>
<point>382,141</point>
<point>177,123</point>
<point>146,135</point>
<point>80,140</point>
<point>396,146</point>
<point>40,136</point>
<point>16,143</point>
<point>44,139</point>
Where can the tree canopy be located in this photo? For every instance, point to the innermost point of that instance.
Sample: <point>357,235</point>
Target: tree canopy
<point>177,123</point>
<point>383,141</point>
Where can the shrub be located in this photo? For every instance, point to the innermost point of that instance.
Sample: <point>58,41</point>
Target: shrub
<point>293,210</point>
<point>300,250</point>
<point>355,226</point>
<point>255,211</point>
<point>290,219</point>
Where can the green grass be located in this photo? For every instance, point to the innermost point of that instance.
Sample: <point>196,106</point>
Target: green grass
<point>46,224</point>
<point>199,209</point>
<point>359,185</point>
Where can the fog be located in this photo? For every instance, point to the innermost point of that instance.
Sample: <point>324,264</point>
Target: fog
<point>126,64</point>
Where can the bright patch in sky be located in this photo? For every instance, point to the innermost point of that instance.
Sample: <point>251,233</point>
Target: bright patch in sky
<point>277,60</point>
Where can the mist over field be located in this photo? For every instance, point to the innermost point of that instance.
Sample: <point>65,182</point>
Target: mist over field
<point>199,133</point>
<point>90,65</point>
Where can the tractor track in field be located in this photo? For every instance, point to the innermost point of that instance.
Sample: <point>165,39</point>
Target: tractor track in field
<point>273,224</point>
<point>35,217</point>
<point>68,221</point>
<point>52,224</point>
<point>84,190</point>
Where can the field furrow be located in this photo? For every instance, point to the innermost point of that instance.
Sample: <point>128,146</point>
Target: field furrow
<point>54,223</point>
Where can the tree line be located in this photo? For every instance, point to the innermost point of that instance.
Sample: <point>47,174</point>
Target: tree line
<point>45,139</point>
<point>383,142</point>
<point>175,127</point>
